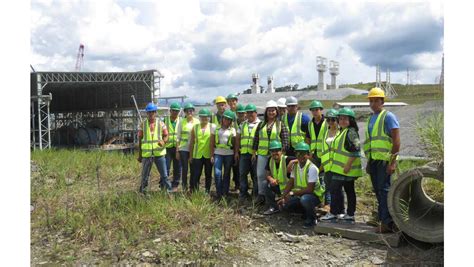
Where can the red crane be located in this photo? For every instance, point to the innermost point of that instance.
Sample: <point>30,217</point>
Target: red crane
<point>80,58</point>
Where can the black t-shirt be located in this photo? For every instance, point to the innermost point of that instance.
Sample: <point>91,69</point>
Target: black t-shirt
<point>317,126</point>
<point>288,159</point>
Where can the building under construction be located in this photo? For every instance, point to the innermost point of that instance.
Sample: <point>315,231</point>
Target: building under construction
<point>89,109</point>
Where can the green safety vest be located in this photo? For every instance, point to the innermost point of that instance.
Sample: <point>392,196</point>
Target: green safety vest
<point>264,140</point>
<point>246,138</point>
<point>378,145</point>
<point>325,152</point>
<point>186,131</point>
<point>202,142</point>
<point>228,145</point>
<point>279,173</point>
<point>296,134</point>
<point>339,157</point>
<point>171,131</point>
<point>316,141</point>
<point>215,120</point>
<point>301,183</point>
<point>150,145</point>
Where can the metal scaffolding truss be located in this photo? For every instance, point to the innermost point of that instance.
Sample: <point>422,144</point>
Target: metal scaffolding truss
<point>40,122</point>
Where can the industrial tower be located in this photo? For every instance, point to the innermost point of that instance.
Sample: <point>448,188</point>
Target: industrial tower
<point>80,58</point>
<point>321,65</point>
<point>334,71</point>
<point>270,89</point>
<point>255,85</point>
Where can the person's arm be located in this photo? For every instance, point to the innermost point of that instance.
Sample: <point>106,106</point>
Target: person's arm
<point>286,192</point>
<point>191,144</point>
<point>256,140</point>
<point>352,145</point>
<point>164,134</point>
<point>270,178</point>
<point>395,150</point>
<point>212,144</point>
<point>313,178</point>
<point>140,136</point>
<point>236,142</point>
<point>284,136</point>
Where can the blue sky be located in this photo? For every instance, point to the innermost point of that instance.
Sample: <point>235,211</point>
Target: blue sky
<point>208,48</point>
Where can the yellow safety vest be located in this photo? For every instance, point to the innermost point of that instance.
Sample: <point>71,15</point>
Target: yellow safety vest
<point>279,173</point>
<point>215,120</point>
<point>150,145</point>
<point>186,131</point>
<point>228,145</point>
<point>171,131</point>
<point>264,140</point>
<point>378,145</point>
<point>326,152</point>
<point>339,157</point>
<point>301,182</point>
<point>246,138</point>
<point>296,134</point>
<point>202,144</point>
<point>316,141</point>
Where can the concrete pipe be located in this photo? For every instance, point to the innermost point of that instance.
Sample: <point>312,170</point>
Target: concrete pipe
<point>413,211</point>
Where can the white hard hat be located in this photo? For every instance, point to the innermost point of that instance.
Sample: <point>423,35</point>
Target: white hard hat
<point>281,102</point>
<point>291,101</point>
<point>271,104</point>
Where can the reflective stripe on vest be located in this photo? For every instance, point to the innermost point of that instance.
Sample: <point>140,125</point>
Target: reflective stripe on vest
<point>202,142</point>
<point>150,145</point>
<point>325,152</point>
<point>186,128</point>
<point>246,138</point>
<point>378,145</point>
<point>229,140</point>
<point>301,182</point>
<point>215,120</point>
<point>339,157</point>
<point>171,131</point>
<point>296,134</point>
<point>264,140</point>
<point>279,173</point>
<point>316,141</point>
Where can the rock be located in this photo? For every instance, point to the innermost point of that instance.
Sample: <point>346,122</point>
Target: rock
<point>32,208</point>
<point>157,240</point>
<point>279,234</point>
<point>305,257</point>
<point>376,260</point>
<point>297,261</point>
<point>257,228</point>
<point>147,254</point>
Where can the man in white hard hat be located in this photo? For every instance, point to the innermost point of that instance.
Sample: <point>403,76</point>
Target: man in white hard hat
<point>296,122</point>
<point>281,103</point>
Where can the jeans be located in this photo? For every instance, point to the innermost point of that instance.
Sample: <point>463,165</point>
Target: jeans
<point>235,173</point>
<point>171,156</point>
<point>160,163</point>
<point>262,174</point>
<point>196,170</point>
<point>305,203</point>
<point>381,184</point>
<point>335,205</point>
<point>222,181</point>
<point>336,190</point>
<point>246,166</point>
<point>183,158</point>
<point>270,193</point>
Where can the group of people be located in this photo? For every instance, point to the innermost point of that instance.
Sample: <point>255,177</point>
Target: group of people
<point>296,163</point>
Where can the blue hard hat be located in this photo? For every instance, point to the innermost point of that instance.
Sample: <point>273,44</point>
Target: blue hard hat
<point>151,107</point>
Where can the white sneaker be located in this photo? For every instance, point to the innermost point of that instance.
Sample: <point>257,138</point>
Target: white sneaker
<point>346,217</point>
<point>329,216</point>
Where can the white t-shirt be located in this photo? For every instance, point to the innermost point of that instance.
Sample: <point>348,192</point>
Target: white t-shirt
<point>251,125</point>
<point>224,136</point>
<point>313,173</point>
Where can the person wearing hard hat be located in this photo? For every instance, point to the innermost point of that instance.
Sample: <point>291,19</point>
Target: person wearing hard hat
<point>152,138</point>
<point>245,136</point>
<point>345,167</point>
<point>381,147</point>
<point>232,102</point>
<point>200,151</point>
<point>171,122</point>
<point>281,103</point>
<point>277,176</point>
<point>221,105</point>
<point>270,129</point>
<point>303,192</point>
<point>241,116</point>
<point>183,136</point>
<point>222,153</point>
<point>296,122</point>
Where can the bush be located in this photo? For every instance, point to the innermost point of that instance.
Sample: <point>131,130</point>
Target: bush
<point>431,133</point>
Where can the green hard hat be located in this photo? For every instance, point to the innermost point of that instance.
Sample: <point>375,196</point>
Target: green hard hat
<point>240,108</point>
<point>175,106</point>
<point>204,113</point>
<point>229,114</point>
<point>274,145</point>
<point>251,107</point>
<point>331,113</point>
<point>315,104</point>
<point>347,112</point>
<point>302,146</point>
<point>188,106</point>
<point>232,96</point>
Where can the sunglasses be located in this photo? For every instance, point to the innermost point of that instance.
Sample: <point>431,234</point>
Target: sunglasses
<point>331,119</point>
<point>300,154</point>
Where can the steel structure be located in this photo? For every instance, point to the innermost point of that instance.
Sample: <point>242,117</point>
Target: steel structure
<point>334,71</point>
<point>270,89</point>
<point>321,66</point>
<point>79,99</point>
<point>80,58</point>
<point>388,88</point>
<point>378,79</point>
<point>255,84</point>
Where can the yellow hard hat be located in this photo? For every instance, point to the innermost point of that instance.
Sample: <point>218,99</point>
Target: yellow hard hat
<point>376,92</point>
<point>220,99</point>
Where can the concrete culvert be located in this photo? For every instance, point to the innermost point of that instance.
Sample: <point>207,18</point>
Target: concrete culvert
<point>413,210</point>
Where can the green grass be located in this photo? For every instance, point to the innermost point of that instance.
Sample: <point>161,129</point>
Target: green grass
<point>90,200</point>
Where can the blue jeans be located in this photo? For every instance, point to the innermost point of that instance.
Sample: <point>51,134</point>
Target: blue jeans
<point>305,204</point>
<point>222,182</point>
<point>196,170</point>
<point>381,184</point>
<point>160,163</point>
<point>246,166</point>
<point>183,159</point>
<point>171,156</point>
<point>262,174</point>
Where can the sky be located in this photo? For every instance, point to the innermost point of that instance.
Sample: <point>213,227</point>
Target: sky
<point>206,48</point>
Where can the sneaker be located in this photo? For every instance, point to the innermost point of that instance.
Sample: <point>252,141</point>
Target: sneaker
<point>271,211</point>
<point>347,218</point>
<point>309,224</point>
<point>328,217</point>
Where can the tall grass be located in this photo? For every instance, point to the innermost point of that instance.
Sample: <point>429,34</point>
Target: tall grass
<point>90,199</point>
<point>431,134</point>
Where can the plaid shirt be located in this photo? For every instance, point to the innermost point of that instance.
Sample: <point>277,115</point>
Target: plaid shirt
<point>284,136</point>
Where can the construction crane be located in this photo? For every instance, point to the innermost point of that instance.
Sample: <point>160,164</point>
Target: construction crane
<point>80,58</point>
